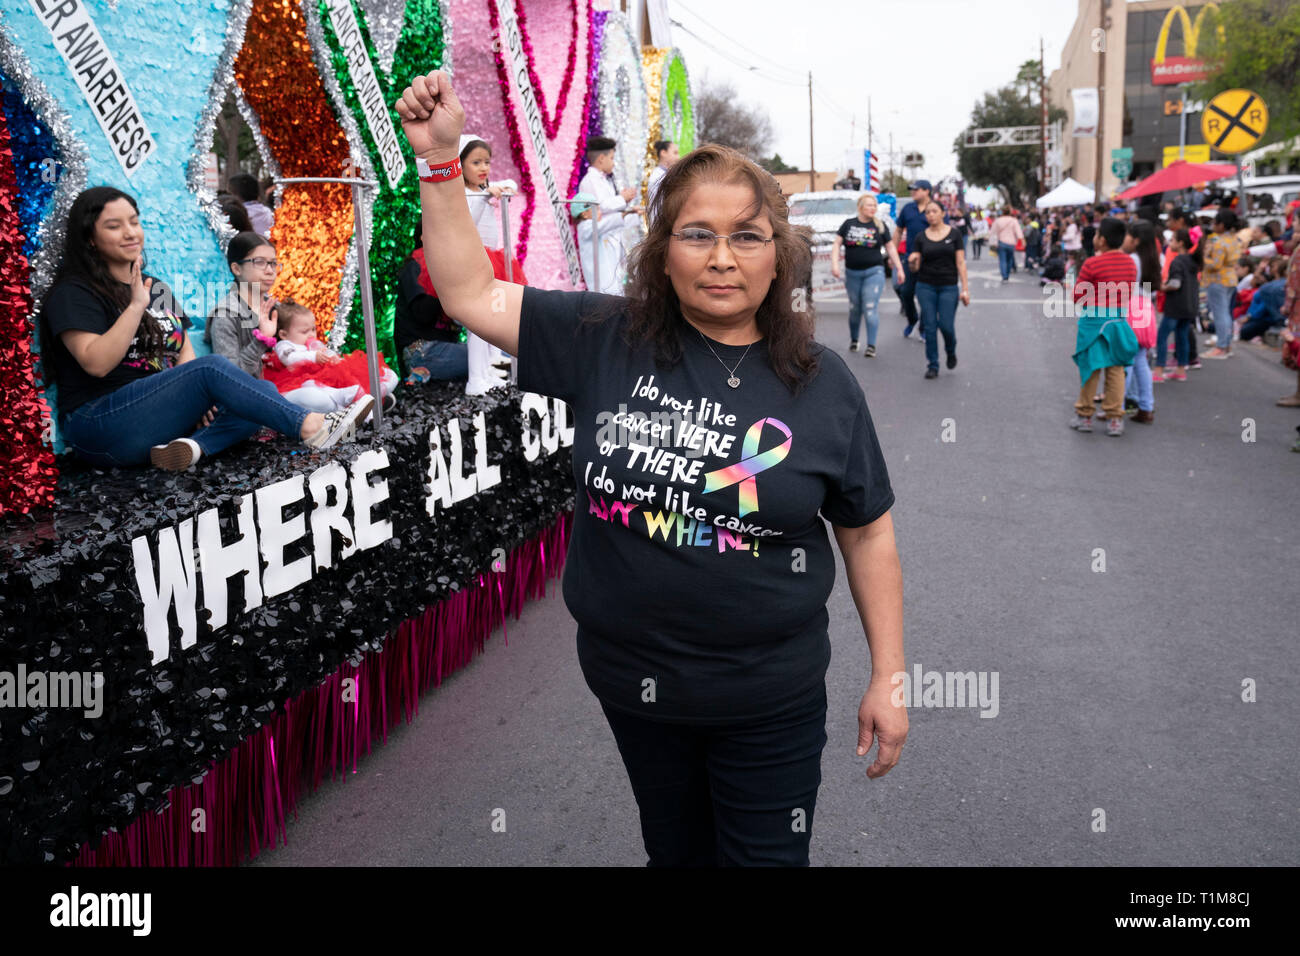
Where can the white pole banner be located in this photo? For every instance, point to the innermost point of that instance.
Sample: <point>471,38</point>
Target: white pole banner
<point>362,72</point>
<point>1085,112</point>
<point>537,134</point>
<point>102,83</point>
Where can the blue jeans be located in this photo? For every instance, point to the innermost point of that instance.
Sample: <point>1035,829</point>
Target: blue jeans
<point>1006,259</point>
<point>724,795</point>
<point>1219,298</point>
<point>864,287</point>
<point>119,428</point>
<point>1138,385</point>
<point>1182,331</point>
<point>938,312</point>
<point>442,360</point>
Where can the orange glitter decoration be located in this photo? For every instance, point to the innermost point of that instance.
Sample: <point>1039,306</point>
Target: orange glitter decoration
<point>313,224</point>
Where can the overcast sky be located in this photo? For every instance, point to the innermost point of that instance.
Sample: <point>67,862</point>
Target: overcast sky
<point>924,63</point>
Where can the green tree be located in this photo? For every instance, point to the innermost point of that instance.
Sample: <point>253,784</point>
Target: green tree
<point>777,165</point>
<point>1012,170</point>
<point>894,182</point>
<point>1261,52</point>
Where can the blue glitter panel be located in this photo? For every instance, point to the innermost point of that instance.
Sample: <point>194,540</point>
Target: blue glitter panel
<point>36,161</point>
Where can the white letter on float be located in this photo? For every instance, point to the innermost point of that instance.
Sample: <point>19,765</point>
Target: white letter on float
<point>462,486</point>
<point>277,534</point>
<point>439,483</point>
<point>175,582</point>
<point>326,517</point>
<point>560,412</point>
<point>366,495</point>
<point>219,563</point>
<point>531,402</point>
<point>488,475</point>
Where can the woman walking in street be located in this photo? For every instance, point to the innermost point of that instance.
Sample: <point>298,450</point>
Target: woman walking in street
<point>709,662</point>
<point>866,243</point>
<point>939,262</point>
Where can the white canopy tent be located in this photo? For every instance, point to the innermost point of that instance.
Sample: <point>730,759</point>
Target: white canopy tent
<point>1069,193</point>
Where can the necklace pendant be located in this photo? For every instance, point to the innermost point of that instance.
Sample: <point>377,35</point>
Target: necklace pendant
<point>733,382</point>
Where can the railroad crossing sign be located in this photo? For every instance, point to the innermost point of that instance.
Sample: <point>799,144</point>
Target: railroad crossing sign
<point>1234,121</point>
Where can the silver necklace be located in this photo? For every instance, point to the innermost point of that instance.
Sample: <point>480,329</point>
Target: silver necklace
<point>733,380</point>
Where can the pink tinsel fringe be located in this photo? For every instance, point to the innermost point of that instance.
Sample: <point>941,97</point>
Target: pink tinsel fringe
<point>247,797</point>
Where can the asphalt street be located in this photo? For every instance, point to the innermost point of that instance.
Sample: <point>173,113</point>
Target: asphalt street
<point>1118,690</point>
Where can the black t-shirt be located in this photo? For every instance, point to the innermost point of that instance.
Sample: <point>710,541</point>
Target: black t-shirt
<point>938,257</point>
<point>864,243</point>
<point>700,565</point>
<point>1182,303</point>
<point>418,315</point>
<point>74,305</point>
<point>1089,231</point>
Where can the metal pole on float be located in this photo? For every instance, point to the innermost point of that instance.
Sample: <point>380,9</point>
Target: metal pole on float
<point>363,267</point>
<point>510,267</point>
<point>595,237</point>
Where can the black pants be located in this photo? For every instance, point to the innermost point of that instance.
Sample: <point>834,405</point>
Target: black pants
<point>907,295</point>
<point>739,795</point>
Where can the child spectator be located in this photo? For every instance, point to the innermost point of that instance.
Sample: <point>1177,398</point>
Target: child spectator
<point>1182,294</point>
<point>482,196</point>
<point>426,339</point>
<point>311,375</point>
<point>1140,244</point>
<point>601,240</point>
<point>1054,267</point>
<point>1105,343</point>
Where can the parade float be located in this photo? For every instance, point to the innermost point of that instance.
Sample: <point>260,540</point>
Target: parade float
<point>234,634</point>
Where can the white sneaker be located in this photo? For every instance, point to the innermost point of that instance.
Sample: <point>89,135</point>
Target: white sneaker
<point>341,424</point>
<point>177,455</point>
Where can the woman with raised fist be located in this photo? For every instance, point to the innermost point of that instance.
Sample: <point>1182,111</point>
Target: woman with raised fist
<point>713,440</point>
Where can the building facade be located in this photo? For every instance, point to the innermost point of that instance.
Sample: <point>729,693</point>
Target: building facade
<point>1151,50</point>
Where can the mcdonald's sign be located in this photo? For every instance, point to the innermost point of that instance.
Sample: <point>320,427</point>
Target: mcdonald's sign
<point>1170,70</point>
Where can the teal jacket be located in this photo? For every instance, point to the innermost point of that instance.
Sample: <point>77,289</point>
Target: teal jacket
<point>1104,339</point>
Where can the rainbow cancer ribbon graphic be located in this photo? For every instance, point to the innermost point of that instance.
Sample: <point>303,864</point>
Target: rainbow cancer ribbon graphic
<point>750,464</point>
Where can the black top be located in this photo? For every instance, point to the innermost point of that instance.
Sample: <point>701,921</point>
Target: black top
<point>700,559</point>
<point>938,257</point>
<point>74,305</point>
<point>1183,303</point>
<point>864,243</point>
<point>418,315</point>
<point>1089,231</point>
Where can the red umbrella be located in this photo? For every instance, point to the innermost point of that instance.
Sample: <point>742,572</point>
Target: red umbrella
<point>1179,175</point>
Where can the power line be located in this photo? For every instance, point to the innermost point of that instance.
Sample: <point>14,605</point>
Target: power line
<point>723,33</point>
<point>748,68</point>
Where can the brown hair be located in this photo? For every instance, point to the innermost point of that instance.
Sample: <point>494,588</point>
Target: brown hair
<point>654,312</point>
<point>286,312</point>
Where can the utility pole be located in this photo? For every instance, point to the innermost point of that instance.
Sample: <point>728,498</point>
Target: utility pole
<point>1104,23</point>
<point>1042,120</point>
<point>812,163</point>
<point>870,148</point>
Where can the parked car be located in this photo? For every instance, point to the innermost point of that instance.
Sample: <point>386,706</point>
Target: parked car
<point>824,211</point>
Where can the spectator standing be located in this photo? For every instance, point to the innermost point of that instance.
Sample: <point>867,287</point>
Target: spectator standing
<point>1004,235</point>
<point>1222,250</point>
<point>245,186</point>
<point>666,154</point>
<point>1104,343</point>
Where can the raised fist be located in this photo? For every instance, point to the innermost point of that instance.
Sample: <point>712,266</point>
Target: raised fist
<point>432,116</point>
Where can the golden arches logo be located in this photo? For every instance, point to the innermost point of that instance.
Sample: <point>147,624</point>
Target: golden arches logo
<point>1166,70</point>
<point>1191,29</point>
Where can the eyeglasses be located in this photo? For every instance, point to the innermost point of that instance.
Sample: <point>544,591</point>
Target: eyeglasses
<point>741,243</point>
<point>263,263</point>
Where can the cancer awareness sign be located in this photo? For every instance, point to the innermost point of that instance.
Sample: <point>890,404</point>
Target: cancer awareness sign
<point>344,21</point>
<point>101,81</point>
<point>535,131</point>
